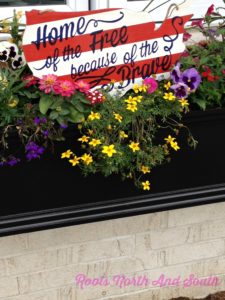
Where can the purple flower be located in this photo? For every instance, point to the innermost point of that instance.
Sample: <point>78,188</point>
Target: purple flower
<point>180,90</point>
<point>33,151</point>
<point>13,161</point>
<point>176,73</point>
<point>45,132</point>
<point>191,78</point>
<point>63,126</point>
<point>37,120</point>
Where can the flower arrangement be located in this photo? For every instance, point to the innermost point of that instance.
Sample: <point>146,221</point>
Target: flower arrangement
<point>127,134</point>
<point>208,57</point>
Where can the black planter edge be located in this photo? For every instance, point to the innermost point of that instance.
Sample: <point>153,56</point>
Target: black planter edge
<point>67,216</point>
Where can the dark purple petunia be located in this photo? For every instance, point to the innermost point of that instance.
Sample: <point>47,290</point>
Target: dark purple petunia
<point>37,120</point>
<point>33,151</point>
<point>12,51</point>
<point>13,161</point>
<point>191,78</point>
<point>176,73</point>
<point>45,133</point>
<point>180,90</point>
<point>63,126</point>
<point>4,55</point>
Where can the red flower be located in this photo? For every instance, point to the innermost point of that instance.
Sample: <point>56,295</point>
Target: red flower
<point>223,71</point>
<point>95,97</point>
<point>31,80</point>
<point>198,23</point>
<point>208,74</point>
<point>210,10</point>
<point>186,36</point>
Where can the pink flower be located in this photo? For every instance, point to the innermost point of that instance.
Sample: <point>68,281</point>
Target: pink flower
<point>82,86</point>
<point>48,83</point>
<point>210,10</point>
<point>152,84</point>
<point>31,80</point>
<point>185,54</point>
<point>65,88</point>
<point>186,36</point>
<point>223,71</point>
<point>198,23</point>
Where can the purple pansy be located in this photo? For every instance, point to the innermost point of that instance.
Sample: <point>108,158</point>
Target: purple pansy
<point>180,90</point>
<point>191,78</point>
<point>176,73</point>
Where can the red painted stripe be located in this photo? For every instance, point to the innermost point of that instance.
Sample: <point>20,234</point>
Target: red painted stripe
<point>38,16</point>
<point>115,76</point>
<point>135,33</point>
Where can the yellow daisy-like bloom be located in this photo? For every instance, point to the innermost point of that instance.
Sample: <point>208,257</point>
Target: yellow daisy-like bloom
<point>139,88</point>
<point>134,146</point>
<point>74,161</point>
<point>66,154</point>
<point>175,146</point>
<point>83,139</point>
<point>118,117</point>
<point>109,150</point>
<point>132,107</point>
<point>146,185</point>
<point>90,132</point>
<point>167,86</point>
<point>87,158</point>
<point>169,96</point>
<point>94,142</point>
<point>145,169</point>
<point>169,139</point>
<point>94,116</point>
<point>184,102</point>
<point>131,100</point>
<point>123,135</point>
<point>13,103</point>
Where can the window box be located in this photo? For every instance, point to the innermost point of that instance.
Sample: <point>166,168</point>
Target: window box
<point>50,193</point>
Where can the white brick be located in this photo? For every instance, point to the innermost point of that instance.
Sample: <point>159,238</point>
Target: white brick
<point>8,287</point>
<point>196,214</point>
<point>14,244</point>
<point>37,261</point>
<point>191,252</point>
<point>93,251</point>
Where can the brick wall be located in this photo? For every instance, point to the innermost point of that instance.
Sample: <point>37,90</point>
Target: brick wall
<point>43,265</point>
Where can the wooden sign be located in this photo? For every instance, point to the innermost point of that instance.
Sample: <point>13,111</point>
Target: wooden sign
<point>101,47</point>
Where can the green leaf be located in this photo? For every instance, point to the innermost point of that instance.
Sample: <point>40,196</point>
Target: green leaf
<point>201,103</point>
<point>54,115</point>
<point>45,103</point>
<point>75,116</point>
<point>57,102</point>
<point>79,106</point>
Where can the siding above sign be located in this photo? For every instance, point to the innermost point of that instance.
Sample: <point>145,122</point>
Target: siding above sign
<point>101,47</point>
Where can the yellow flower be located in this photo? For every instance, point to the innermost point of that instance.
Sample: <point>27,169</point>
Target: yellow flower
<point>13,102</point>
<point>94,116</point>
<point>6,26</point>
<point>169,139</point>
<point>109,127</point>
<point>167,86</point>
<point>131,100</point>
<point>146,185</point>
<point>132,107</point>
<point>66,154</point>
<point>95,142</point>
<point>184,102</point>
<point>87,158</point>
<point>139,88</point>
<point>118,117</point>
<point>134,146</point>
<point>169,96</point>
<point>109,150</point>
<point>123,135</point>
<point>145,169</point>
<point>83,139</point>
<point>90,132</point>
<point>74,161</point>
<point>79,126</point>
<point>175,146</point>
<point>19,15</point>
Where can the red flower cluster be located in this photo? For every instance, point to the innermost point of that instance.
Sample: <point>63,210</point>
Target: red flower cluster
<point>95,97</point>
<point>208,74</point>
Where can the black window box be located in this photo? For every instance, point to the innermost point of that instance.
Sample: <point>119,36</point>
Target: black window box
<point>49,193</point>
